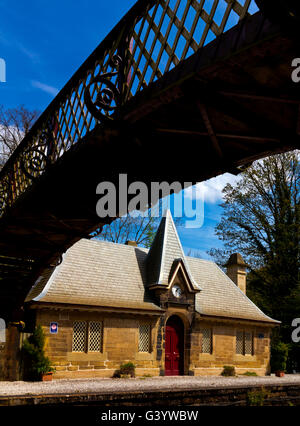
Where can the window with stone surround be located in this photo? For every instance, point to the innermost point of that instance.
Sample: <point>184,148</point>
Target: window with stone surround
<point>87,336</point>
<point>206,347</point>
<point>95,336</point>
<point>244,343</point>
<point>145,338</point>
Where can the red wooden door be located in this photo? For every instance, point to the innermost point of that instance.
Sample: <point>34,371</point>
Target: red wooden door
<point>174,347</point>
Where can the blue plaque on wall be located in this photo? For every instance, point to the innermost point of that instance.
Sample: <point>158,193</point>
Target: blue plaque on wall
<point>261,336</point>
<point>53,327</point>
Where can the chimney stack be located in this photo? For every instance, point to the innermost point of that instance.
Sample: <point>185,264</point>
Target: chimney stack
<point>236,271</point>
<point>131,243</point>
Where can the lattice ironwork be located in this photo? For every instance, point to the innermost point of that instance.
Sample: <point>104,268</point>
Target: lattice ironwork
<point>144,338</point>
<point>171,31</point>
<point>79,336</point>
<point>248,343</point>
<point>244,343</point>
<point>206,341</point>
<point>95,336</point>
<point>239,343</point>
<point>153,38</point>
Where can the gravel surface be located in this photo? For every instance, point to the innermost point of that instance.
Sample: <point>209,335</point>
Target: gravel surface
<point>103,385</point>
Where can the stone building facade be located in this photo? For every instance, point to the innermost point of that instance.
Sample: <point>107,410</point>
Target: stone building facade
<point>168,313</point>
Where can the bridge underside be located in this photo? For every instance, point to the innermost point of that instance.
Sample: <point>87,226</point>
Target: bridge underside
<point>227,105</point>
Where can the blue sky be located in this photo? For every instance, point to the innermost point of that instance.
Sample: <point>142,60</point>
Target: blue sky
<point>44,42</point>
<point>200,239</point>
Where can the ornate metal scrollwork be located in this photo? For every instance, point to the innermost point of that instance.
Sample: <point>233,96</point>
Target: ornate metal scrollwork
<point>38,157</point>
<point>34,161</point>
<point>106,95</point>
<point>4,193</point>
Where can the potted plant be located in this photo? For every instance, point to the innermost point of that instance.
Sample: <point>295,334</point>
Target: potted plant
<point>36,365</point>
<point>126,370</point>
<point>228,370</point>
<point>279,356</point>
<point>45,370</point>
<point>47,377</point>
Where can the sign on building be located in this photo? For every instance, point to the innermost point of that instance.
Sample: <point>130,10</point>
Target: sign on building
<point>53,327</point>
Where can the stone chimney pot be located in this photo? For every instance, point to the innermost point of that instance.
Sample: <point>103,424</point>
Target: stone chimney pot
<point>236,270</point>
<point>131,243</point>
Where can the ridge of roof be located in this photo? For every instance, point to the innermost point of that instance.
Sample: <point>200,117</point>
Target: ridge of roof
<point>99,241</point>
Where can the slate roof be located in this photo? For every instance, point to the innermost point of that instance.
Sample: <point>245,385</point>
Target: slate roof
<point>220,296</point>
<point>100,273</point>
<point>165,249</point>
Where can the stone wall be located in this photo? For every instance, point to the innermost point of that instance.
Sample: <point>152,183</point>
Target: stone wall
<point>120,344</point>
<point>10,355</point>
<point>224,349</point>
<point>138,401</point>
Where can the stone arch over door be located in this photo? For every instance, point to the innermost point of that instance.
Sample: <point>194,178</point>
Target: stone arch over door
<point>174,346</point>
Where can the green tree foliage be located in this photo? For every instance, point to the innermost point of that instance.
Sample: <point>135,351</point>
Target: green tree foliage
<point>35,362</point>
<point>261,220</point>
<point>279,356</point>
<point>257,397</point>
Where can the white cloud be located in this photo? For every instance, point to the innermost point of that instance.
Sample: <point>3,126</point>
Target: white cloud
<point>45,88</point>
<point>211,190</point>
<point>33,56</point>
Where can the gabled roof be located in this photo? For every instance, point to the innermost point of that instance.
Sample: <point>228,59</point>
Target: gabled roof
<point>104,274</point>
<point>98,273</point>
<point>220,296</point>
<point>178,270</point>
<point>166,248</point>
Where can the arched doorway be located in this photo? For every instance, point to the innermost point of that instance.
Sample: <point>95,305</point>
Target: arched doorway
<point>174,347</point>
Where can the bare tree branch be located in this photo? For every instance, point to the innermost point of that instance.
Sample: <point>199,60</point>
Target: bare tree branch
<point>15,123</point>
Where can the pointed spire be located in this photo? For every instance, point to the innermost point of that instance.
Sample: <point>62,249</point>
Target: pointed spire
<point>165,249</point>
